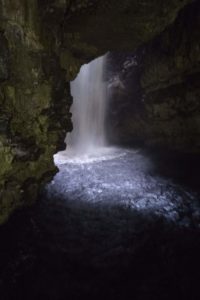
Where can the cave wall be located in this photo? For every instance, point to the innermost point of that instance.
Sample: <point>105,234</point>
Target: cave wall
<point>125,98</point>
<point>42,46</point>
<point>164,108</point>
<point>34,105</point>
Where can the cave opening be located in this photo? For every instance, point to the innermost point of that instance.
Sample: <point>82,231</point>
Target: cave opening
<point>98,168</point>
<point>119,197</point>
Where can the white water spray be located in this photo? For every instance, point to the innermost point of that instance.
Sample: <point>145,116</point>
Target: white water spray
<point>88,109</point>
<point>87,142</point>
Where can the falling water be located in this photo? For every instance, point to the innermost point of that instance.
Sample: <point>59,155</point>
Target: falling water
<point>87,142</point>
<point>88,109</point>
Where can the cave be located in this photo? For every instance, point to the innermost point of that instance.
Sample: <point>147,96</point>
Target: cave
<point>99,149</point>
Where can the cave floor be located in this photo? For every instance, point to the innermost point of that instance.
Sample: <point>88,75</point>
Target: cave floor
<point>114,228</point>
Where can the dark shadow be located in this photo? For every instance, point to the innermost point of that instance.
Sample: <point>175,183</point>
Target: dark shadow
<point>61,249</point>
<point>183,168</point>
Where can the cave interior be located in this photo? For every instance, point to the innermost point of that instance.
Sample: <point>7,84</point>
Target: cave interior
<point>99,149</point>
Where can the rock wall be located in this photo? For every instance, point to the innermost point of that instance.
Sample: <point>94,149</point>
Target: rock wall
<point>124,94</point>
<point>34,105</point>
<point>42,46</point>
<point>166,110</point>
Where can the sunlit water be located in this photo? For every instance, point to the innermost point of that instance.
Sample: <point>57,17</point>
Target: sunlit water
<point>115,176</point>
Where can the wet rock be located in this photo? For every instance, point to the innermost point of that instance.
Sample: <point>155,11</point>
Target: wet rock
<point>165,111</point>
<point>4,58</point>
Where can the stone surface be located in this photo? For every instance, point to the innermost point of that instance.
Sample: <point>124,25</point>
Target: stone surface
<point>166,111</point>
<point>34,109</point>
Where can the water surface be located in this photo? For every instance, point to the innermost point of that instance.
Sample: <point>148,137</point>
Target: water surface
<point>118,176</point>
<point>109,226</point>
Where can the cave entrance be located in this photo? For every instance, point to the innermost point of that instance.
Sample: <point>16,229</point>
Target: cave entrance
<point>102,99</point>
<point>94,170</point>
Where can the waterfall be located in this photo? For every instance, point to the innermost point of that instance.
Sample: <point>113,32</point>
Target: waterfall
<point>88,109</point>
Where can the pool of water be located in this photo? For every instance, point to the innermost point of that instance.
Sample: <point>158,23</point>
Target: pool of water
<point>126,177</point>
<point>109,226</point>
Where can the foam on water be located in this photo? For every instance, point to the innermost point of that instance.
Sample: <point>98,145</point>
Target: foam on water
<point>101,154</point>
<point>125,177</point>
